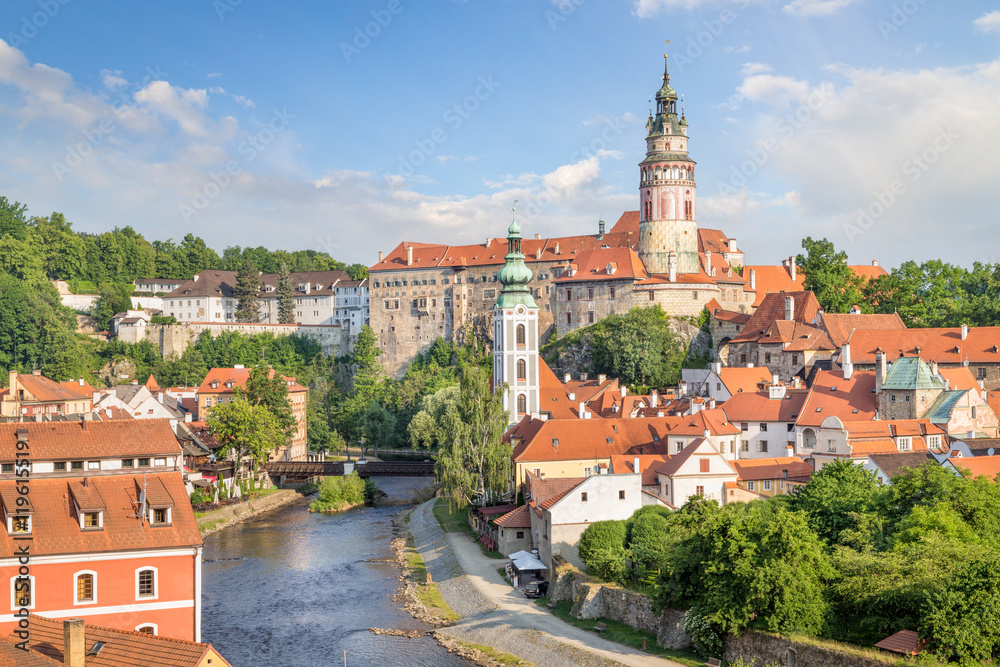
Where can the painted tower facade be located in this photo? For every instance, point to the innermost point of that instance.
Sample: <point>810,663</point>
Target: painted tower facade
<point>668,231</point>
<point>515,334</point>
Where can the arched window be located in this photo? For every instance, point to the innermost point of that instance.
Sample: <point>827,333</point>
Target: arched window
<point>522,370</point>
<point>145,583</point>
<point>148,629</point>
<point>522,404</point>
<point>85,589</point>
<point>520,334</point>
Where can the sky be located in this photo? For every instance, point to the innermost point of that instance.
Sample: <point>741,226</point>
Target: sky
<point>349,127</point>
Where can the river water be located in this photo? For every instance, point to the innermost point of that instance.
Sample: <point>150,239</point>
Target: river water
<point>305,588</point>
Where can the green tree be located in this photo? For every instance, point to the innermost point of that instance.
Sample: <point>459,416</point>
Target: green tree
<point>962,622</point>
<point>639,348</point>
<point>475,465</point>
<point>12,219</point>
<point>602,549</point>
<point>62,249</point>
<point>836,286</point>
<point>378,426</point>
<point>113,298</point>
<point>437,419</point>
<point>357,271</point>
<point>247,291</point>
<point>835,497</point>
<point>20,259</point>
<point>364,361</point>
<point>247,432</point>
<point>286,297</point>
<point>267,388</point>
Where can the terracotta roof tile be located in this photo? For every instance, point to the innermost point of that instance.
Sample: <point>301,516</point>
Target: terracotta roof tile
<point>833,396</point>
<point>628,223</point>
<point>45,390</point>
<point>594,264</point>
<point>988,466</point>
<point>759,407</point>
<point>62,441</point>
<point>517,518</point>
<point>737,379</point>
<point>121,648</point>
<point>960,378</point>
<point>906,642</point>
<point>945,346</point>
<point>11,656</point>
<point>772,309</point>
<point>894,464</point>
<point>86,495</point>
<point>841,326</point>
<point>543,489</point>
<point>648,464</point>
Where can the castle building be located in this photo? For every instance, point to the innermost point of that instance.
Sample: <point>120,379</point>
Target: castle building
<point>515,334</point>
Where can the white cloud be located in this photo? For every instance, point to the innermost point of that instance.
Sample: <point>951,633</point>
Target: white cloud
<point>989,22</point>
<point>213,75</point>
<point>186,107</point>
<point>750,69</point>
<point>113,80</point>
<point>733,50</point>
<point>816,7</point>
<point>454,158</point>
<point>649,8</point>
<point>774,89</point>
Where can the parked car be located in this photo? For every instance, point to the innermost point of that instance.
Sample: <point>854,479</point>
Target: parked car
<point>536,589</point>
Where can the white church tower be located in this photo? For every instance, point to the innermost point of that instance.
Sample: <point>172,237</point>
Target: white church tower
<point>515,334</point>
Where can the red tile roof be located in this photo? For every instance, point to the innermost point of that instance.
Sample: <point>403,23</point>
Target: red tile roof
<point>960,378</point>
<point>518,518</point>
<point>151,384</point>
<point>674,463</point>
<point>840,326</point>
<point>759,407</point>
<point>586,439</point>
<point>238,377</point>
<point>648,464</point>
<point>594,264</point>
<point>628,223</point>
<point>62,441</point>
<point>543,489</point>
<point>552,396</point>
<point>42,389</point>
<point>754,469</point>
<point>977,466</point>
<point>11,656</point>
<point>121,648</point>
<point>737,379</point>
<point>772,309</point>
<point>713,240</point>
<point>833,396</point>
<point>906,642</point>
<point>771,279</point>
<point>56,529</point>
<point>714,421</point>
<point>945,346</point>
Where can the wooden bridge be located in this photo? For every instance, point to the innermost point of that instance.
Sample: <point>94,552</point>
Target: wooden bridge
<point>300,471</point>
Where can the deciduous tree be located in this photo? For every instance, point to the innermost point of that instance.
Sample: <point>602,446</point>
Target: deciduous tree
<point>246,431</point>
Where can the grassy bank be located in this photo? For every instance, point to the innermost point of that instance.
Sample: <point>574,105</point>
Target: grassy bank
<point>622,634</point>
<point>427,593</point>
<point>457,521</point>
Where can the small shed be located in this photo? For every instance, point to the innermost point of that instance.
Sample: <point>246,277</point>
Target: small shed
<point>525,566</point>
<point>906,642</point>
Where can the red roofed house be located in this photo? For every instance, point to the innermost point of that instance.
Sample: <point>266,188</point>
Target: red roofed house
<point>107,527</point>
<point>767,420</point>
<point>697,470</point>
<point>219,387</point>
<point>722,382</point>
<point>773,477</point>
<point>514,530</point>
<point>36,395</point>
<point>856,440</point>
<point>789,278</point>
<point>832,395</point>
<point>976,466</point>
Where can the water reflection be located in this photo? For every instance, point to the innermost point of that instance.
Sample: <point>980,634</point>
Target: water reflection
<point>303,594</point>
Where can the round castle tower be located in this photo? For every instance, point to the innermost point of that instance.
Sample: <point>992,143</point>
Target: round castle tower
<point>668,231</point>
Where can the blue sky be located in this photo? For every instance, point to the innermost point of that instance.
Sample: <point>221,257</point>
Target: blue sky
<point>349,127</point>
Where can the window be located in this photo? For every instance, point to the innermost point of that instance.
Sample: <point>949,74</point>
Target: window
<point>522,404</point>
<point>621,495</point>
<point>652,295</point>
<point>91,520</point>
<point>892,398</point>
<point>743,358</point>
<point>699,490</point>
<point>767,485</point>
<point>745,446</point>
<point>590,293</point>
<point>520,334</point>
<point>750,485</point>
<point>59,466</point>
<point>128,463</point>
<point>762,446</point>
<point>981,373</point>
<point>520,534</point>
<point>763,427</point>
<point>973,412</point>
<point>904,444</point>
<point>744,426</point>
<point>590,317</point>
<point>489,294</point>
<point>77,465</point>
<point>906,398</point>
<point>160,516</point>
<point>93,465</point>
<point>85,587</point>
<point>611,292</point>
<point>795,360</point>
<point>145,583</point>
<point>522,369</point>
<point>22,592</point>
<point>569,295</point>
<point>146,629</point>
<point>143,463</point>
<point>790,427</point>
<point>934,441</point>
<point>7,467</point>
<point>831,445</point>
<point>160,462</point>
<point>705,465</point>
<point>767,358</point>
<point>569,318</point>
<point>583,496</point>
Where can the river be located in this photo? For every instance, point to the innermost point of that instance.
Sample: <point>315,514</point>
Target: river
<point>305,588</point>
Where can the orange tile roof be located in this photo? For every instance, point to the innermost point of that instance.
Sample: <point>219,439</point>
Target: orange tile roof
<point>977,466</point>
<point>594,264</point>
<point>56,530</point>
<point>960,378</point>
<point>151,384</point>
<point>714,421</point>
<point>587,390</point>
<point>945,345</point>
<point>239,377</point>
<point>713,240</point>
<point>587,439</point>
<point>772,309</point>
<point>737,379</point>
<point>906,642</point>
<point>891,428</point>
<point>11,656</point>
<point>628,223</point>
<point>840,326</point>
<point>759,407</point>
<point>552,397</point>
<point>543,489</point>
<point>833,396</point>
<point>771,279</point>
<point>42,389</point>
<point>754,469</point>
<point>75,386</point>
<point>518,518</point>
<point>648,463</point>
<point>62,441</point>
<point>121,648</point>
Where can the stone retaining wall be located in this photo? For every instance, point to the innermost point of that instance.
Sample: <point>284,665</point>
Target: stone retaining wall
<point>243,511</point>
<point>758,648</point>
<point>596,600</point>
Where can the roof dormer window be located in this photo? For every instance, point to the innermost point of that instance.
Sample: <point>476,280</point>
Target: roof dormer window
<point>229,384</point>
<point>214,384</point>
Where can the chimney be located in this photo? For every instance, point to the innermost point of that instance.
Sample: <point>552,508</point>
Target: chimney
<point>74,643</point>
<point>797,382</point>
<point>600,229</point>
<point>683,386</point>
<point>706,434</point>
<point>538,237</point>
<point>161,396</point>
<point>672,267</point>
<point>583,410</point>
<point>711,404</point>
<point>601,378</point>
<point>556,249</point>
<point>381,256</point>
<point>716,367</point>
<point>845,361</point>
<point>874,262</point>
<point>409,255</point>
<point>635,465</point>
<point>753,279</point>
<point>792,269</point>
<point>572,396</point>
<point>80,382</point>
<point>566,378</point>
<point>708,262</point>
<point>187,417</point>
<point>775,380</point>
<point>624,391</point>
<point>488,240</point>
<point>196,276</point>
<point>654,399</point>
<point>934,368</point>
<point>107,411</point>
<point>776,391</point>
<point>965,331</point>
<point>789,307</point>
<point>583,377</point>
<point>789,449</point>
<point>732,246</point>
<point>879,370</point>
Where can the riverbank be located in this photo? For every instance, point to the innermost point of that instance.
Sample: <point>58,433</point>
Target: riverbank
<point>234,514</point>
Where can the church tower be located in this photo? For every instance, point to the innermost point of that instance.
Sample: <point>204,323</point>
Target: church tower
<point>515,334</point>
<point>667,190</point>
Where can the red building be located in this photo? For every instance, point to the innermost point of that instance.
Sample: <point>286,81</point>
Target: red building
<point>99,512</point>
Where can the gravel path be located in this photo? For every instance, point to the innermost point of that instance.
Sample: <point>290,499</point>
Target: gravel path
<point>493,614</point>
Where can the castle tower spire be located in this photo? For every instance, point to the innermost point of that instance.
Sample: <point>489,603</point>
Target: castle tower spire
<point>515,334</point>
<point>667,220</point>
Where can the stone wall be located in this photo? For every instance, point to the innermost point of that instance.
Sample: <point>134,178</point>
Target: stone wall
<point>175,338</point>
<point>231,514</point>
<point>762,649</point>
<point>597,600</point>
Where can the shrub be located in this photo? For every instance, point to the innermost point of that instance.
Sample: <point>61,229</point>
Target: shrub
<point>602,548</point>
<point>705,635</point>
<point>199,497</point>
<point>338,492</point>
<point>163,319</point>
